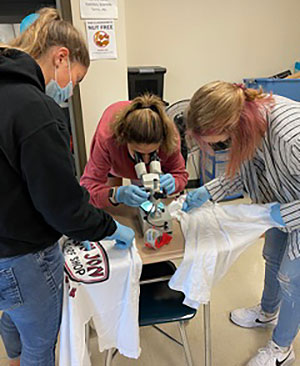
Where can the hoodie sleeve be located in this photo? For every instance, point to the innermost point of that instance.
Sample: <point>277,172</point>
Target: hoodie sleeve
<point>47,168</point>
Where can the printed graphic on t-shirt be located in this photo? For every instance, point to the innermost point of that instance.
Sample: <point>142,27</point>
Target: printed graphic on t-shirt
<point>86,266</point>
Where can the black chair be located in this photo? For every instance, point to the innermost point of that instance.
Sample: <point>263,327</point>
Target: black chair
<point>159,304</point>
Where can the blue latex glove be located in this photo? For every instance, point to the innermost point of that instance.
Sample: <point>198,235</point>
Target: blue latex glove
<point>196,199</point>
<point>276,215</point>
<point>86,244</point>
<point>167,181</point>
<point>123,236</point>
<point>131,195</point>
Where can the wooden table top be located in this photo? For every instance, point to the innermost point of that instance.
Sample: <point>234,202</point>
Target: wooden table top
<point>174,250</point>
<point>129,216</point>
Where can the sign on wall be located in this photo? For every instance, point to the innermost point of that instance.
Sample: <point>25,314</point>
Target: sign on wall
<point>101,39</point>
<point>98,9</point>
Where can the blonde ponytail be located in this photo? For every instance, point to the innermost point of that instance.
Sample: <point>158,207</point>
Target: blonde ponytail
<point>48,30</point>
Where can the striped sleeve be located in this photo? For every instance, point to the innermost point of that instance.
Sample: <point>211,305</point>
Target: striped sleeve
<point>222,186</point>
<point>294,158</point>
<point>285,132</point>
<point>290,213</point>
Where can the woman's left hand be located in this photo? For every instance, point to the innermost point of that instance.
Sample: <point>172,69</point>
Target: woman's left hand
<point>276,214</point>
<point>167,181</point>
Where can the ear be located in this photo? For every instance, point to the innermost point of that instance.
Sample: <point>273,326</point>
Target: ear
<point>61,55</point>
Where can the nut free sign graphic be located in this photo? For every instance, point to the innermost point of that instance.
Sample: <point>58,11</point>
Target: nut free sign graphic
<point>101,39</point>
<point>86,266</point>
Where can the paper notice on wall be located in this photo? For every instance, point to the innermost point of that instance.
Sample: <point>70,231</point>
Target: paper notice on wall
<point>101,39</point>
<point>98,9</point>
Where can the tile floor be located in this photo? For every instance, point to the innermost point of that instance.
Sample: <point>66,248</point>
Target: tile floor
<point>231,345</point>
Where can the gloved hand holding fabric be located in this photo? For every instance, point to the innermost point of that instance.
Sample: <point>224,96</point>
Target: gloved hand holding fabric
<point>276,215</point>
<point>87,244</point>
<point>131,195</point>
<point>195,199</point>
<point>123,236</point>
<point>167,181</point>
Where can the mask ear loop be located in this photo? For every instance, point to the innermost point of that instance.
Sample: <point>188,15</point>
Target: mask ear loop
<point>55,74</point>
<point>69,65</point>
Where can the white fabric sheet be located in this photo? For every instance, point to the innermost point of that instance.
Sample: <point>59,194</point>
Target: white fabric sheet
<point>215,236</point>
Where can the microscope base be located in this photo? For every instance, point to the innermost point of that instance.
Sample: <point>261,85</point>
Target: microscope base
<point>154,226</point>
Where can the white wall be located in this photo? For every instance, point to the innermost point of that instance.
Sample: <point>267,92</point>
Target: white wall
<point>203,40</point>
<point>106,80</point>
<point>197,41</point>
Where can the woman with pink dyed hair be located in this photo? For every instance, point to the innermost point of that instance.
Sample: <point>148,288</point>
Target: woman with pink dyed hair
<point>264,135</point>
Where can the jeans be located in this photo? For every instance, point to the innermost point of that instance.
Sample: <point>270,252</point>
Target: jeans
<point>282,287</point>
<point>31,301</point>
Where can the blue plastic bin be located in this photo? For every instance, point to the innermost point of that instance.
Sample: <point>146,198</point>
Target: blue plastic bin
<point>289,88</point>
<point>215,165</point>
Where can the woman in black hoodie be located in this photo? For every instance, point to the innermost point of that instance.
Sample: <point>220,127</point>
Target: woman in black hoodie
<point>40,196</point>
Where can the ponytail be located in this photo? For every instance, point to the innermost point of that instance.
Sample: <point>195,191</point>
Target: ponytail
<point>145,121</point>
<point>48,30</point>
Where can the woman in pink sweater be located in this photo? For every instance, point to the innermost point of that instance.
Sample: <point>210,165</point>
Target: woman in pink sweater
<point>141,126</point>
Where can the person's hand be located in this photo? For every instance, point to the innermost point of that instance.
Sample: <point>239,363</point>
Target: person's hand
<point>123,236</point>
<point>276,215</point>
<point>195,199</point>
<point>131,195</point>
<point>167,181</point>
<point>86,244</point>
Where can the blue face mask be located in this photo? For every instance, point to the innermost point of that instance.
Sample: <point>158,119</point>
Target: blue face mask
<point>58,93</point>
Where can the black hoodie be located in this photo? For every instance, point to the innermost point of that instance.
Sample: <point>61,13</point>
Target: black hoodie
<point>41,198</point>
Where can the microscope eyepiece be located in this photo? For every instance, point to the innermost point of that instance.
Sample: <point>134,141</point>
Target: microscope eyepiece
<point>138,157</point>
<point>154,156</point>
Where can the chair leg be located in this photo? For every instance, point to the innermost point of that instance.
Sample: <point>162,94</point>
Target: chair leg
<point>109,357</point>
<point>207,334</point>
<point>185,343</point>
<point>87,338</point>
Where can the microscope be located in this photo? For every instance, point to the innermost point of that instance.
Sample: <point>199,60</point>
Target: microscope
<point>155,219</point>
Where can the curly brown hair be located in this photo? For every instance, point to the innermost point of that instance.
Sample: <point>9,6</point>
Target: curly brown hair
<point>145,121</point>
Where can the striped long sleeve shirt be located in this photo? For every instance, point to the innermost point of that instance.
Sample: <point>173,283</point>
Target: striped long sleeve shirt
<point>273,175</point>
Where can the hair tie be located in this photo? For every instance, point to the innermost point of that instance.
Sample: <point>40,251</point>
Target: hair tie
<point>240,85</point>
<point>28,20</point>
<point>152,107</point>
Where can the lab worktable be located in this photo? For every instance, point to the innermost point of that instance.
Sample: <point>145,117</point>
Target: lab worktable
<point>174,250</point>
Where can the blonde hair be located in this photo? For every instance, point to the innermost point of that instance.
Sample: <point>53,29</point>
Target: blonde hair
<point>48,30</point>
<point>145,121</point>
<point>219,108</point>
